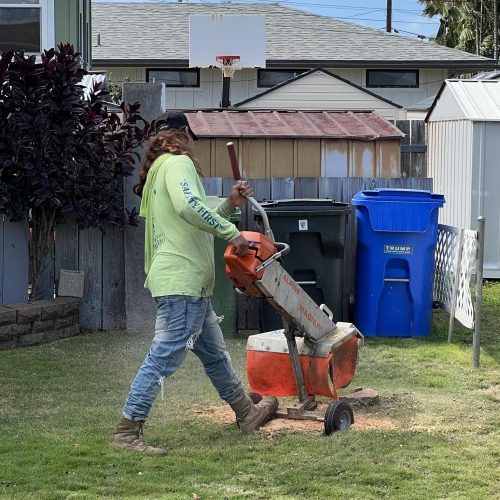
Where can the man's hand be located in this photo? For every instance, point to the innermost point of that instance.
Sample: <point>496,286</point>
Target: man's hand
<point>241,245</point>
<point>239,194</point>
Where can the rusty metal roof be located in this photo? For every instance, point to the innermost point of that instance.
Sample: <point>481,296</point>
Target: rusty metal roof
<point>359,125</point>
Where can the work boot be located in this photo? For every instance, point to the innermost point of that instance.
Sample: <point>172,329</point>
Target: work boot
<point>128,436</point>
<point>250,416</point>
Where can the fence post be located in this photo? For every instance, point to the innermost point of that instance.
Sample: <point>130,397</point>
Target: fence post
<point>476,340</point>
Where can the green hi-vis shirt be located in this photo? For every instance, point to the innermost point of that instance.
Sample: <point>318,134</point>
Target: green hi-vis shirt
<point>179,246</point>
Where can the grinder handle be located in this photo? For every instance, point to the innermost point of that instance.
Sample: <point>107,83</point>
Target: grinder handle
<point>234,161</point>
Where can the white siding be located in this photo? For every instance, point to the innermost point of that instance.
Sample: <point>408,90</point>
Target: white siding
<point>430,81</point>
<point>244,86</point>
<point>450,165</point>
<point>322,91</point>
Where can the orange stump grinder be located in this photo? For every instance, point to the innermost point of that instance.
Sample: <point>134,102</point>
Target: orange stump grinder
<point>312,356</point>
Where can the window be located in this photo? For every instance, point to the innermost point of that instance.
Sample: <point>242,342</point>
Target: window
<point>388,78</point>
<point>174,77</point>
<point>26,25</point>
<point>272,77</point>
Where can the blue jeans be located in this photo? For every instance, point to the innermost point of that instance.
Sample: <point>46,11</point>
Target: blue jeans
<point>183,323</point>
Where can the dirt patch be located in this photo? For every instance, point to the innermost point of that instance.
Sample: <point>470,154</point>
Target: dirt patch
<point>494,391</point>
<point>224,414</point>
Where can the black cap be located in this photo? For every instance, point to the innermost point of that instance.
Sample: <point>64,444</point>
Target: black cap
<point>173,119</point>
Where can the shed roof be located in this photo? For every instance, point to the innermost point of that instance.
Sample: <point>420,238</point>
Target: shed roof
<point>316,40</point>
<point>367,126</point>
<point>477,100</point>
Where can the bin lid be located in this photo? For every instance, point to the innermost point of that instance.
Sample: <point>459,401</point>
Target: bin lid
<point>305,206</point>
<point>399,210</point>
<point>407,195</point>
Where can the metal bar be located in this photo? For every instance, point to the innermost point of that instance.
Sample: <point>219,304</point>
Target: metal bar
<point>296,366</point>
<point>476,339</point>
<point>413,148</point>
<point>226,84</point>
<point>305,282</point>
<point>397,280</point>
<point>456,282</point>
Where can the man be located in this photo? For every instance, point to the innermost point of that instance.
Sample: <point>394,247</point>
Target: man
<point>179,264</point>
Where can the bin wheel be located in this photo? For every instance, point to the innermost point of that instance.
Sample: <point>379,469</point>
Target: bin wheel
<point>255,397</point>
<point>338,417</point>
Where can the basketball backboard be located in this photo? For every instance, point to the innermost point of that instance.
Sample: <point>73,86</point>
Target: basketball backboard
<point>215,35</point>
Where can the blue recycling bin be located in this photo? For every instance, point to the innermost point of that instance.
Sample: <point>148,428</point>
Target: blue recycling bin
<point>396,240</point>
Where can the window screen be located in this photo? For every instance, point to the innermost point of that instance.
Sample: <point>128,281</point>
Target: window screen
<point>20,26</point>
<point>175,77</point>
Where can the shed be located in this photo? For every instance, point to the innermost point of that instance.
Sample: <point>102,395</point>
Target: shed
<point>284,143</point>
<point>463,149</point>
<point>319,89</point>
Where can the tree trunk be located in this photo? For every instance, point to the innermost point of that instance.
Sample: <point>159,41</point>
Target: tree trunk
<point>42,227</point>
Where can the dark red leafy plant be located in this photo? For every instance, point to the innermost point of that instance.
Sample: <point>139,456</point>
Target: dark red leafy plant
<point>62,151</point>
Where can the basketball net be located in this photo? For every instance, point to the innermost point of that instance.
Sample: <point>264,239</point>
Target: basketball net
<point>228,64</point>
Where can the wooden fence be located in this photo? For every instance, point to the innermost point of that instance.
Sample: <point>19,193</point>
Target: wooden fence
<point>113,260</point>
<point>13,262</point>
<point>413,148</point>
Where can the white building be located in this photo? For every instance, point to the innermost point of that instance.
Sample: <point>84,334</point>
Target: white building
<point>150,42</point>
<point>463,159</point>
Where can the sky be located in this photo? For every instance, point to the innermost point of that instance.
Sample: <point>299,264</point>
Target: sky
<point>406,14</point>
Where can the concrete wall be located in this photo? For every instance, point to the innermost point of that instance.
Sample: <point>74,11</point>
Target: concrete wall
<point>140,307</point>
<point>38,322</point>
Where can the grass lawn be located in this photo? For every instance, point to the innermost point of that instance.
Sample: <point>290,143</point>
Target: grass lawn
<point>435,433</point>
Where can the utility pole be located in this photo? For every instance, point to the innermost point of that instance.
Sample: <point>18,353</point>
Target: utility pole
<point>495,30</point>
<point>388,19</point>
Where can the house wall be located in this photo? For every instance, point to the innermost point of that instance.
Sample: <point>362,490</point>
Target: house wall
<point>430,81</point>
<point>72,24</point>
<point>267,158</point>
<point>416,115</point>
<point>321,91</point>
<point>244,86</point>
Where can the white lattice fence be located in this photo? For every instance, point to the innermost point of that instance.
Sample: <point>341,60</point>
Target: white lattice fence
<point>456,253</point>
<point>458,276</point>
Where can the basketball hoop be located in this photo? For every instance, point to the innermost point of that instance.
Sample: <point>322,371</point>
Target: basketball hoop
<point>227,64</point>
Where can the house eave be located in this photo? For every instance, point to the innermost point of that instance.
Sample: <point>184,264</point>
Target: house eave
<point>308,63</point>
<point>440,64</point>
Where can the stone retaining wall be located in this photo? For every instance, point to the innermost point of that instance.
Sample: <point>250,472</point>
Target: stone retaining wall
<point>38,322</point>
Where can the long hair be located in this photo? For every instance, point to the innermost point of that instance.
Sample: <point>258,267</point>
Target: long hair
<point>173,141</point>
